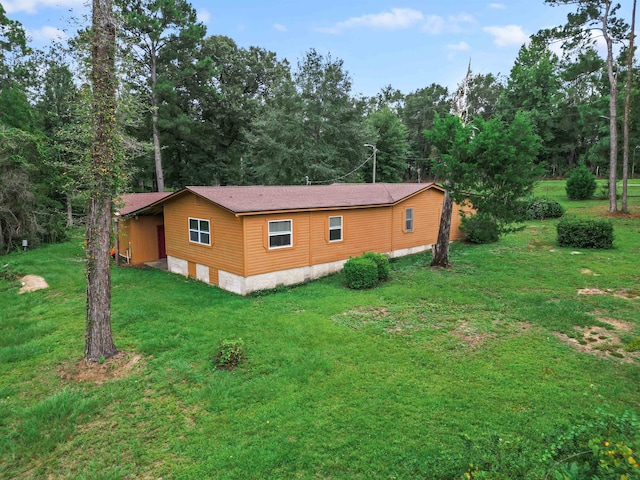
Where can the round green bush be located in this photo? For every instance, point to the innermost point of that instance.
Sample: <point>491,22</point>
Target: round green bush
<point>585,233</point>
<point>581,185</point>
<point>361,273</point>
<point>480,228</point>
<point>541,208</point>
<point>230,354</point>
<point>381,260</point>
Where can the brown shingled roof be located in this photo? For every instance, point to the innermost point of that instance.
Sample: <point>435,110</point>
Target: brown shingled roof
<point>255,199</point>
<point>136,201</point>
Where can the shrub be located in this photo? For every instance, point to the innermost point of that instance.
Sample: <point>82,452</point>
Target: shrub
<point>581,185</point>
<point>382,262</point>
<point>480,228</point>
<point>230,354</point>
<point>605,447</point>
<point>361,273</point>
<point>585,233</point>
<point>541,208</point>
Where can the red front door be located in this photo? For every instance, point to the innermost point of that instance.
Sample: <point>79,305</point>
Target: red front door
<point>162,249</point>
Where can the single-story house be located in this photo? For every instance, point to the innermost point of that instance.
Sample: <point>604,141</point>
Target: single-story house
<point>258,237</point>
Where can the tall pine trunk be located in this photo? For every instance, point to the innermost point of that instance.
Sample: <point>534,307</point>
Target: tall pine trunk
<point>98,338</point>
<point>613,113</point>
<point>157,151</point>
<point>69,210</point>
<point>441,248</point>
<point>627,112</point>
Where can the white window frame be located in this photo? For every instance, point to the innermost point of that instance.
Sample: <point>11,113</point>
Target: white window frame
<point>276,234</point>
<point>199,231</point>
<point>408,220</point>
<point>333,229</point>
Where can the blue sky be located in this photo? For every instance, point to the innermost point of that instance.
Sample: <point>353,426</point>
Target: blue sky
<point>408,44</point>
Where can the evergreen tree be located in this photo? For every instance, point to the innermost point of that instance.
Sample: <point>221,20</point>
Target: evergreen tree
<point>391,145</point>
<point>312,129</point>
<point>160,32</point>
<point>597,15</point>
<point>488,164</point>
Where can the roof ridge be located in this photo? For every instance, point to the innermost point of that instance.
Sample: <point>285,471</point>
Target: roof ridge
<point>389,194</point>
<point>253,199</point>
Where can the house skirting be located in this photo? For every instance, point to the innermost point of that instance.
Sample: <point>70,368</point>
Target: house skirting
<point>244,285</point>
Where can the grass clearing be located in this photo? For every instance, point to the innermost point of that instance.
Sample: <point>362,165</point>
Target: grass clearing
<point>432,371</point>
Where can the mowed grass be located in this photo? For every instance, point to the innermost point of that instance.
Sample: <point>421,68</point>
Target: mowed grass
<point>432,371</point>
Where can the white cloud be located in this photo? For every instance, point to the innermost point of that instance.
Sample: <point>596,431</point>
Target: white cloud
<point>461,18</point>
<point>497,6</point>
<point>436,24</point>
<point>459,47</point>
<point>32,6</point>
<point>203,16</point>
<point>46,33</point>
<point>279,27</point>
<point>507,35</point>
<point>397,18</point>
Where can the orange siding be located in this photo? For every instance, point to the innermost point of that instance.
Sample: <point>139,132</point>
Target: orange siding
<point>261,259</point>
<point>213,276</point>
<point>191,269</point>
<point>239,245</point>
<point>426,206</point>
<point>455,232</point>
<point>225,251</point>
<point>363,230</point>
<point>142,234</point>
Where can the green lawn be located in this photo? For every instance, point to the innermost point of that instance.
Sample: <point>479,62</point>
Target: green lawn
<point>419,378</point>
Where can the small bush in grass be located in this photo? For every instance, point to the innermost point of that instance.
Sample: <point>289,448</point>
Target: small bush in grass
<point>605,447</point>
<point>230,354</point>
<point>361,273</point>
<point>480,228</point>
<point>541,208</point>
<point>382,262</point>
<point>585,233</point>
<point>581,185</point>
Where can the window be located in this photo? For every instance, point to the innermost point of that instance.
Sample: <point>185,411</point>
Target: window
<point>335,229</point>
<point>199,231</point>
<point>280,234</point>
<point>408,220</point>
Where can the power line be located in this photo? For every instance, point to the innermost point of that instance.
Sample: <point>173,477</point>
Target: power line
<point>345,175</point>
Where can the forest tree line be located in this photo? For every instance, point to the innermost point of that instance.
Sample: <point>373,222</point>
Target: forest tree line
<point>197,109</point>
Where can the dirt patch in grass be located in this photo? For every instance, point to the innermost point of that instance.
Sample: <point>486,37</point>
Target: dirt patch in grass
<point>618,325</point>
<point>602,342</point>
<point>631,216</point>
<point>475,338</point>
<point>623,293</point>
<point>473,333</point>
<point>112,368</point>
<point>586,271</point>
<point>31,283</point>
<point>471,336</point>
<point>627,294</point>
<point>591,291</point>
<point>399,322</point>
<point>537,244</point>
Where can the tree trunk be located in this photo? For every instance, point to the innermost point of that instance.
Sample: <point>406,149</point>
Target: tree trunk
<point>627,112</point>
<point>99,342</point>
<point>441,248</point>
<point>69,211</point>
<point>157,152</point>
<point>613,114</point>
<point>98,339</point>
